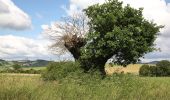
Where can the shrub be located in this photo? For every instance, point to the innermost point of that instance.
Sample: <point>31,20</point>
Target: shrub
<point>60,70</point>
<point>161,69</point>
<point>164,67</point>
<point>16,67</point>
<point>144,70</point>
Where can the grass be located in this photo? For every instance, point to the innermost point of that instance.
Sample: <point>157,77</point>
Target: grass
<point>35,68</point>
<point>117,87</point>
<point>132,68</point>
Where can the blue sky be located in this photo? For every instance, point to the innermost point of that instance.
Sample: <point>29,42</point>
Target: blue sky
<point>21,25</point>
<point>41,12</point>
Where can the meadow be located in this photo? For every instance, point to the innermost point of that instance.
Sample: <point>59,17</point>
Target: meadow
<point>117,87</point>
<point>124,86</point>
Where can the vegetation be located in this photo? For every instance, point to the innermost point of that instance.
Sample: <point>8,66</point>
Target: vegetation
<point>144,70</point>
<point>67,81</point>
<point>17,67</point>
<point>27,71</point>
<point>84,87</point>
<point>60,70</point>
<point>113,31</point>
<point>117,32</point>
<point>162,68</point>
<point>68,35</point>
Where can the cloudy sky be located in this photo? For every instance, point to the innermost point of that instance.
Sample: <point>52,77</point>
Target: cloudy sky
<point>21,24</point>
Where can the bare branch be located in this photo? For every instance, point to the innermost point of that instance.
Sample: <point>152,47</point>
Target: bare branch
<point>68,34</point>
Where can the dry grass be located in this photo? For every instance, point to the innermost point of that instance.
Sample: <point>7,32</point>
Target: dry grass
<point>132,68</point>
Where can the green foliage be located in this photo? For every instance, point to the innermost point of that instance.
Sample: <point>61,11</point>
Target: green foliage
<point>16,66</point>
<point>119,32</point>
<point>144,70</point>
<point>164,67</point>
<point>27,71</point>
<point>161,69</point>
<point>60,70</point>
<point>31,71</point>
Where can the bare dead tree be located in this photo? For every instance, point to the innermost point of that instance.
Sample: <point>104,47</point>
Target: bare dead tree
<point>68,34</point>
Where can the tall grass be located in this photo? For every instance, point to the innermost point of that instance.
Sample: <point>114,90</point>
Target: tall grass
<point>117,87</point>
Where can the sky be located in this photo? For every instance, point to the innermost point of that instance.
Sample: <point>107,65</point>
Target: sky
<point>22,21</point>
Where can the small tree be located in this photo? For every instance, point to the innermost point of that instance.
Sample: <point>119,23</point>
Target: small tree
<point>68,35</point>
<point>144,70</point>
<point>116,32</point>
<point>164,67</point>
<point>16,66</point>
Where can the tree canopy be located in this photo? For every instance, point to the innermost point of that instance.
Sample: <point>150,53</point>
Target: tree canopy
<point>118,32</point>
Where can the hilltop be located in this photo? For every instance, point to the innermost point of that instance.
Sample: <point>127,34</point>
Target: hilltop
<point>25,63</point>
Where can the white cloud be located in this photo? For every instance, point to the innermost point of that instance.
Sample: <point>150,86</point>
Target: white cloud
<point>19,48</point>
<point>159,12</point>
<point>78,5</point>
<point>12,47</point>
<point>12,17</point>
<point>156,10</point>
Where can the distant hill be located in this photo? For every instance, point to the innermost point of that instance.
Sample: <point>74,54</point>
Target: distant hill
<point>25,63</point>
<point>153,62</point>
<point>3,62</point>
<point>39,63</point>
<point>36,63</point>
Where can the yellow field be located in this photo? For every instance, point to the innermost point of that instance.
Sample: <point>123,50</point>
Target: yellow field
<point>132,68</point>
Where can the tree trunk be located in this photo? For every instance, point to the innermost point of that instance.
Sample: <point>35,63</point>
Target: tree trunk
<point>100,65</point>
<point>74,44</point>
<point>75,52</point>
<point>102,68</point>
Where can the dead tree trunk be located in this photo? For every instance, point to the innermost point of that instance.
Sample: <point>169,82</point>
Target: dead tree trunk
<point>74,45</point>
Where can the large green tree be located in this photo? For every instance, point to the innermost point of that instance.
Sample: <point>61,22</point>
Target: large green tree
<point>117,32</point>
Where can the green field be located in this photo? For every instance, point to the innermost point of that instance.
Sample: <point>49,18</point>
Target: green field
<point>35,68</point>
<point>123,87</point>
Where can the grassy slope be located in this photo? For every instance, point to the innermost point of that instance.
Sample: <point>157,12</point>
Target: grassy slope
<point>118,88</point>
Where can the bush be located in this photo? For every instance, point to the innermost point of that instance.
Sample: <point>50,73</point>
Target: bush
<point>161,69</point>
<point>16,67</point>
<point>60,70</point>
<point>164,67</point>
<point>144,70</point>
